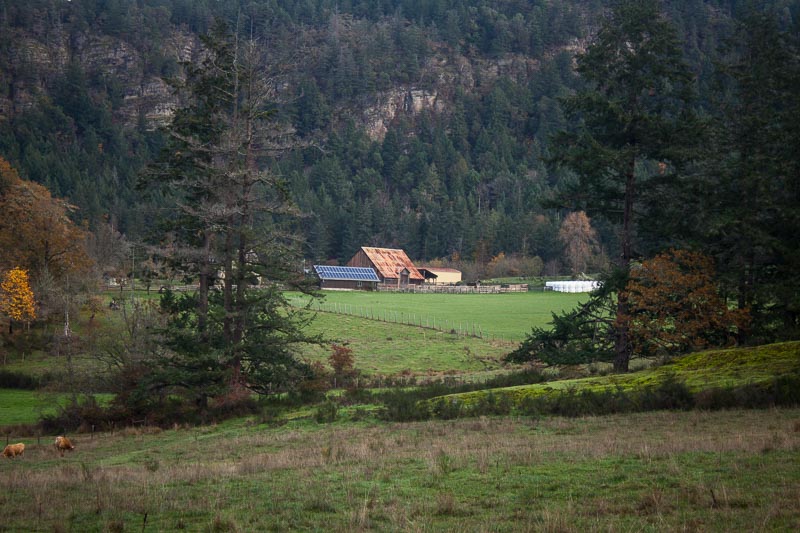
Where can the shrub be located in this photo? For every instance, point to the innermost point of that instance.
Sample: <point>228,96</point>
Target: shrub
<point>448,409</point>
<point>491,404</point>
<point>10,379</point>
<point>400,406</point>
<point>326,412</point>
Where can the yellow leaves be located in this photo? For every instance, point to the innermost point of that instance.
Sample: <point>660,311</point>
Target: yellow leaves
<point>16,296</point>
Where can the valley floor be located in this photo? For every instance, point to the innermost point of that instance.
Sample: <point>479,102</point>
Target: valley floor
<point>715,471</point>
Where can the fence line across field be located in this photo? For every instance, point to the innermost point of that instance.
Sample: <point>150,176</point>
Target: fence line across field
<point>460,328</point>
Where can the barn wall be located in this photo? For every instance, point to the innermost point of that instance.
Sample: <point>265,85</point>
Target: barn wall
<point>345,284</point>
<point>361,260</point>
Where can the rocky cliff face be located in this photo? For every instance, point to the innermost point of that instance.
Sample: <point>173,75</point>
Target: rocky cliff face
<point>35,60</point>
<point>447,73</point>
<point>34,64</point>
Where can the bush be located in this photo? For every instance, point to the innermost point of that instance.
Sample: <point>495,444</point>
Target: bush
<point>81,415</point>
<point>10,379</point>
<point>669,394</point>
<point>402,406</point>
<point>326,412</point>
<point>492,404</point>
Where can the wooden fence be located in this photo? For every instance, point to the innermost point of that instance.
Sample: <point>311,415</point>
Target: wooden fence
<point>455,289</point>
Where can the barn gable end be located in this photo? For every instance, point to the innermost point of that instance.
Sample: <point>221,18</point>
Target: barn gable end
<point>393,266</point>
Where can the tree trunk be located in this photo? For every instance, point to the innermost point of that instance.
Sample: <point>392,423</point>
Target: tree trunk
<point>621,340</point>
<point>228,302</point>
<point>205,277</point>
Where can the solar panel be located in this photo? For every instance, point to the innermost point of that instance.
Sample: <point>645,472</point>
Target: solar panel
<point>346,273</point>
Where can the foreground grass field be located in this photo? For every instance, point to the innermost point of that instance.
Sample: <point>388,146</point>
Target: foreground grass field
<point>498,316</point>
<point>720,471</point>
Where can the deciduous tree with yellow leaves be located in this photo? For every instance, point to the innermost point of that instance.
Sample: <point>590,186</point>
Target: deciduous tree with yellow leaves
<point>16,298</point>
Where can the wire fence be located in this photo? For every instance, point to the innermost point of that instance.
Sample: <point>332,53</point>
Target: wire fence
<point>454,327</point>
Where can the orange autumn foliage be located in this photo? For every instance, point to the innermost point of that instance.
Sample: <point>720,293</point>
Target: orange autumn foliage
<point>675,307</point>
<point>35,229</point>
<point>580,241</point>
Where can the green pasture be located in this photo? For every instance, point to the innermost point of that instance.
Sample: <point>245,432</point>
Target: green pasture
<point>496,316</point>
<point>663,471</point>
<point>23,406</point>
<point>390,349</point>
<point>26,407</point>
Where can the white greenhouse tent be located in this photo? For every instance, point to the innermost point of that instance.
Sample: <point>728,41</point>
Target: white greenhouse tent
<point>572,286</point>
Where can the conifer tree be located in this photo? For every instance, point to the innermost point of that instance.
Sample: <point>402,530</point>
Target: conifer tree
<point>230,216</point>
<point>635,129</point>
<point>749,217</point>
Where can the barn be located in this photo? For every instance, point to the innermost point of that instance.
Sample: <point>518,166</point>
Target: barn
<point>392,266</point>
<point>353,278</point>
<point>440,275</point>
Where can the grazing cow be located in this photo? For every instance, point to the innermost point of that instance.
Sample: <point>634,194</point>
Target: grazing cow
<point>63,444</point>
<point>13,450</point>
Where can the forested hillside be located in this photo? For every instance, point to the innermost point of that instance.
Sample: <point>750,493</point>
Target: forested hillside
<point>420,124</point>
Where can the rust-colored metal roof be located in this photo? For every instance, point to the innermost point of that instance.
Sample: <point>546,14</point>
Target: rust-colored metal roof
<point>389,262</point>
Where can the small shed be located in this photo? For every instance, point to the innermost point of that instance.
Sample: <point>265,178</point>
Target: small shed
<point>392,266</point>
<point>440,275</point>
<point>346,277</point>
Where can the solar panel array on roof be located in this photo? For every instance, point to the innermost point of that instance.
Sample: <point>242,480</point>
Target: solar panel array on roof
<point>346,273</point>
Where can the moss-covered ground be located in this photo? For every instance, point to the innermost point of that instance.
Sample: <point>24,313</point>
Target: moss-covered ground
<point>711,369</point>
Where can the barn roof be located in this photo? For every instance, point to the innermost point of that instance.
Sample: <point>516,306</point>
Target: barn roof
<point>390,262</point>
<point>345,273</point>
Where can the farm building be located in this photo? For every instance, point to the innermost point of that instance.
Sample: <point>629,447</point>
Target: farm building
<point>392,266</point>
<point>440,275</point>
<point>337,277</point>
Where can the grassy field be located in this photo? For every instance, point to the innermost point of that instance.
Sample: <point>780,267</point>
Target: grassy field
<point>388,349</point>
<point>662,471</point>
<point>497,316</point>
<point>23,406</point>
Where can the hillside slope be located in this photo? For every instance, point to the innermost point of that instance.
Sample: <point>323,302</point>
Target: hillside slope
<point>713,369</point>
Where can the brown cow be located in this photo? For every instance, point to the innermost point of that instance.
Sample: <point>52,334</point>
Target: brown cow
<point>63,444</point>
<point>13,450</point>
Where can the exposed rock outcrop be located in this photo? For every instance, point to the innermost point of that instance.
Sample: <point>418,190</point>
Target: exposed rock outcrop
<point>34,65</point>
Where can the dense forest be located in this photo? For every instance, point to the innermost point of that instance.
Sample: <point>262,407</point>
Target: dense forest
<point>459,170</point>
<point>421,124</point>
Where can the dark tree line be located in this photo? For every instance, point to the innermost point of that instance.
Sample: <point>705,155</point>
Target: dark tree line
<point>466,180</point>
<point>724,184</point>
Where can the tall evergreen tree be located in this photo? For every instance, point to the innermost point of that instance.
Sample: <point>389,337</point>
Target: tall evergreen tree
<point>752,211</point>
<point>231,210</point>
<point>635,128</point>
